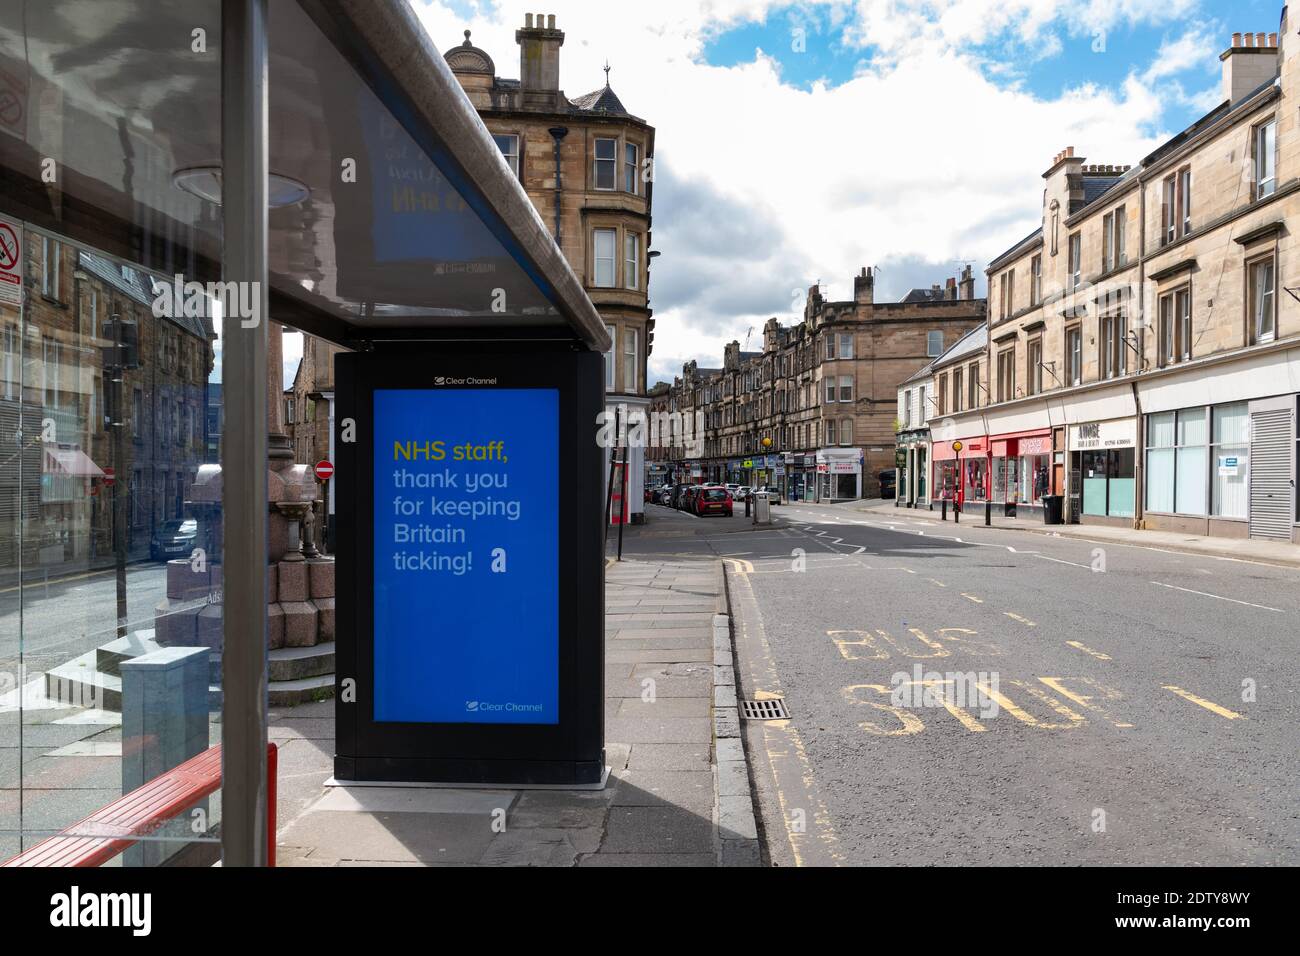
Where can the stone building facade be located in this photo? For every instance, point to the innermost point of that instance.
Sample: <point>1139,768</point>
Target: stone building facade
<point>813,411</point>
<point>58,391</point>
<point>1143,340</point>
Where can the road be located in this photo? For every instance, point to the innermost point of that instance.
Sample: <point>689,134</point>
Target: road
<point>1107,704</point>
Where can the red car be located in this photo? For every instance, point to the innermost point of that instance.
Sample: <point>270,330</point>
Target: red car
<point>714,500</point>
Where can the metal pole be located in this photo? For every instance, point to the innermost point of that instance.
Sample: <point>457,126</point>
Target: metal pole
<point>119,474</point>
<point>244,835</point>
<point>625,507</point>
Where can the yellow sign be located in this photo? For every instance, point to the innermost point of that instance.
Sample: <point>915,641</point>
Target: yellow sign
<point>956,446</point>
<point>749,463</point>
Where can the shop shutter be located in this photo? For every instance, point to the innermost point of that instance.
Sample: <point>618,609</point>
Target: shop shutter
<point>1270,474</point>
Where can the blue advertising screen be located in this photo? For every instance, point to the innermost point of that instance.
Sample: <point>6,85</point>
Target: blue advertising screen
<point>466,573</point>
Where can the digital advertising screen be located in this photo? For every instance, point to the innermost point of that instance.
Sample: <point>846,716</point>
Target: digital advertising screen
<point>466,555</point>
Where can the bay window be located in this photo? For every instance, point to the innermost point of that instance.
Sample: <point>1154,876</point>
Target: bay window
<point>603,271</point>
<point>604,172</point>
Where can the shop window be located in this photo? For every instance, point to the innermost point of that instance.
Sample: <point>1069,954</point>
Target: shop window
<point>1230,457</point>
<point>1177,461</point>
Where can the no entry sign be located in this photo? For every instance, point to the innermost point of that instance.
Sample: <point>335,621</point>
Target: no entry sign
<point>324,470</point>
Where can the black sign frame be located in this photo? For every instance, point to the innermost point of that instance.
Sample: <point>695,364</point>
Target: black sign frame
<point>568,753</point>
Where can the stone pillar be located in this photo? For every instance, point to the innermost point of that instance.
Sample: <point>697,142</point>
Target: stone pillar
<point>164,723</point>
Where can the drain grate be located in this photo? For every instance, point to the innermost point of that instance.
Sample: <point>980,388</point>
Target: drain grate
<point>773,709</point>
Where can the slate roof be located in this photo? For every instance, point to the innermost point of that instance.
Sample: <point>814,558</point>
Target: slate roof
<point>600,101</point>
<point>976,340</point>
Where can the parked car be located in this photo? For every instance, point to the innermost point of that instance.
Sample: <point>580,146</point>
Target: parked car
<point>888,483</point>
<point>742,492</point>
<point>715,500</point>
<point>773,494</point>
<point>173,539</point>
<point>666,495</point>
<point>682,500</point>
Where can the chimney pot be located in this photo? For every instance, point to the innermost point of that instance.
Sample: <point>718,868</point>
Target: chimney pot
<point>528,21</point>
<point>1236,39</point>
<point>1259,39</point>
<point>550,21</point>
<point>1272,39</point>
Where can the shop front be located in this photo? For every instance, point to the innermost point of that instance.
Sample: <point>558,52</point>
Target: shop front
<point>800,477</point>
<point>1103,463</point>
<point>912,462</point>
<point>839,474</point>
<point>968,464</point>
<point>1020,465</point>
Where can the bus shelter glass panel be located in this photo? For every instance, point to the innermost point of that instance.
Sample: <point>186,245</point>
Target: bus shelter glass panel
<point>110,423</point>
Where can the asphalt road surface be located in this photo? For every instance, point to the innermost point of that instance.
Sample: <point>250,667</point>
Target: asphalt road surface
<point>1088,703</point>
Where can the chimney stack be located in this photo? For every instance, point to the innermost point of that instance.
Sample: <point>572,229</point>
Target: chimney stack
<point>539,58</point>
<point>950,291</point>
<point>1248,64</point>
<point>966,287</point>
<point>864,287</point>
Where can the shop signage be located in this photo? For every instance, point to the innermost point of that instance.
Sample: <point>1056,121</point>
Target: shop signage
<point>1229,465</point>
<point>1042,445</point>
<point>1121,433</point>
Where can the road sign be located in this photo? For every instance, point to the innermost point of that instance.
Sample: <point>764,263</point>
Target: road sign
<point>956,446</point>
<point>11,263</point>
<point>324,470</point>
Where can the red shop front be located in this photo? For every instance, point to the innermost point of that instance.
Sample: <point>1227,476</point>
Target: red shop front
<point>971,463</point>
<point>1020,466</point>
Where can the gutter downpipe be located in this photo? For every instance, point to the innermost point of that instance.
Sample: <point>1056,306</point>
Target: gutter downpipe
<point>558,133</point>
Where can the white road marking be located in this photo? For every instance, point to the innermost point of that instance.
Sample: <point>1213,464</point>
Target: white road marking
<point>1262,607</point>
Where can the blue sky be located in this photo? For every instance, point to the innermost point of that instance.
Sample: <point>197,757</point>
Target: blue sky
<point>1069,56</point>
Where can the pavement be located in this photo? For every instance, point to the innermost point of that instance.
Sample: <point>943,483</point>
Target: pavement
<point>1255,549</point>
<point>962,695</point>
<point>678,792</point>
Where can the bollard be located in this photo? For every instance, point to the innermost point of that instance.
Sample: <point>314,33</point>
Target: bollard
<point>956,512</point>
<point>943,509</point>
<point>748,499</point>
<point>988,513</point>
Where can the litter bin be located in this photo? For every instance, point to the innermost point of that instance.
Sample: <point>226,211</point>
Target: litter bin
<point>1052,509</point>
<point>762,508</point>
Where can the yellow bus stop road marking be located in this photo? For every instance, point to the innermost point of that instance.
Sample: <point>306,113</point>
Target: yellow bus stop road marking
<point>1023,620</point>
<point>1088,650</point>
<point>1208,705</point>
<point>971,597</point>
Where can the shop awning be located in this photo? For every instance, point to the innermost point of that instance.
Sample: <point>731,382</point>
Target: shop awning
<point>70,463</point>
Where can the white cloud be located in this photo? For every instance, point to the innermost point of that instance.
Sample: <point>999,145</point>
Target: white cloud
<point>924,157</point>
